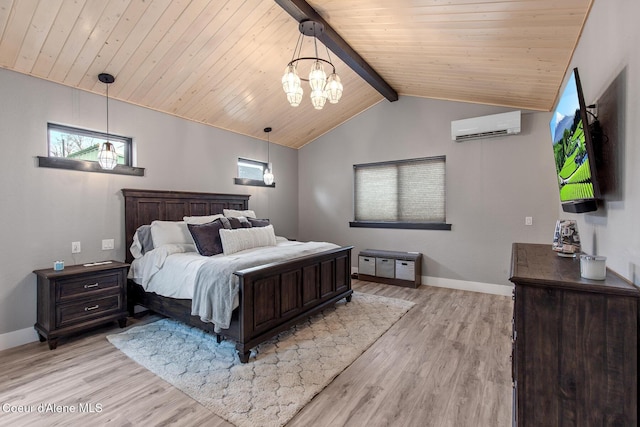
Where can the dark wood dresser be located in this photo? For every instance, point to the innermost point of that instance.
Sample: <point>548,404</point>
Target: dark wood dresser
<point>78,298</point>
<point>575,343</point>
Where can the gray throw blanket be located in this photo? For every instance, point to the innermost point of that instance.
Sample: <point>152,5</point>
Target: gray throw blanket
<point>216,288</point>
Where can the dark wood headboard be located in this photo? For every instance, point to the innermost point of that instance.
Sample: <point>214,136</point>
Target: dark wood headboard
<point>143,206</point>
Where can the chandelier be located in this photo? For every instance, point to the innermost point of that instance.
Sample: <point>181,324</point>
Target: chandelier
<point>323,88</point>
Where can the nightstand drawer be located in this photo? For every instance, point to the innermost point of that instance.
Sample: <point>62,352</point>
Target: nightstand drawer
<point>405,270</point>
<point>82,286</point>
<point>67,314</point>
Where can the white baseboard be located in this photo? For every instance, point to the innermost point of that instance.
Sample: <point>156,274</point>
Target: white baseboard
<point>16,338</point>
<point>27,335</point>
<point>465,285</point>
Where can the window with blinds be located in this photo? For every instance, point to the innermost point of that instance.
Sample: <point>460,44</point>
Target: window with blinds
<point>400,194</point>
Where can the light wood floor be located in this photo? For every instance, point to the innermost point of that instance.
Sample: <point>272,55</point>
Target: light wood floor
<point>445,363</point>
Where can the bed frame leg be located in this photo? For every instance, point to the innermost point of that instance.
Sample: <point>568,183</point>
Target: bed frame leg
<point>244,356</point>
<point>218,338</point>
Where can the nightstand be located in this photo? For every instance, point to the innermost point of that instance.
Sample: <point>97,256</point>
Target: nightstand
<point>80,297</point>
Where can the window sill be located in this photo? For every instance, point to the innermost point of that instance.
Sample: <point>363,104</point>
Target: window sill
<point>252,182</point>
<point>86,166</point>
<point>401,225</point>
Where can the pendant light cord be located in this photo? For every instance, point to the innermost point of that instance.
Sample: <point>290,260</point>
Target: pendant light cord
<point>107,112</point>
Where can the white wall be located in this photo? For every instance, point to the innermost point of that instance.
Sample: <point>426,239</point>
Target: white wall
<point>492,185</point>
<point>43,210</point>
<point>609,48</point>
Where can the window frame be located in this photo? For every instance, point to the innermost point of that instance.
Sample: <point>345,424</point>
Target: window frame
<point>89,165</point>
<point>249,181</point>
<point>426,225</point>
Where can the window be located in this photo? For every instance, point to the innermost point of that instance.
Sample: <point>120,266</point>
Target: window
<point>81,144</point>
<point>250,172</point>
<point>401,194</point>
<point>74,148</point>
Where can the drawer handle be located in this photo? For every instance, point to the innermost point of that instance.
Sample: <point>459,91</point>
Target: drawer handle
<point>91,308</point>
<point>404,263</point>
<point>94,285</point>
<point>385,260</point>
<point>366,259</point>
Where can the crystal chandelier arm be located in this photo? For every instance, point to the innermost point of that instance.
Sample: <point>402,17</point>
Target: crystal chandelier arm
<point>315,42</point>
<point>298,47</point>
<point>329,56</point>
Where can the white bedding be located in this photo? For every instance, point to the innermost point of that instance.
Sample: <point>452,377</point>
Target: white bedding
<point>172,271</point>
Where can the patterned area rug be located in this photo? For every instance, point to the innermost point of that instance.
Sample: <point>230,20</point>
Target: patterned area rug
<point>286,372</point>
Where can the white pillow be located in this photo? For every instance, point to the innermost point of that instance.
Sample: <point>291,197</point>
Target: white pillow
<point>170,232</point>
<point>234,213</point>
<point>246,238</point>
<point>201,219</point>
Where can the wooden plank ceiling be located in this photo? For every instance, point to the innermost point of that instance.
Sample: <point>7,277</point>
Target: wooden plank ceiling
<point>220,62</point>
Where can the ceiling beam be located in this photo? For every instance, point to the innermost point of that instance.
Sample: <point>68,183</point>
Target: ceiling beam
<point>300,10</point>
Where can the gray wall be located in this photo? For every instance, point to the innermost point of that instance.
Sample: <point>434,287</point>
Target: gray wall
<point>43,210</point>
<point>492,185</point>
<point>608,50</point>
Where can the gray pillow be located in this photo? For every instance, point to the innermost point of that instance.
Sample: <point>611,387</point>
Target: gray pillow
<point>258,222</point>
<point>207,237</point>
<point>232,223</point>
<point>144,237</point>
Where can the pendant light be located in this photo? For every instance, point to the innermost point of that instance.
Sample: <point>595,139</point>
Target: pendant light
<point>107,156</point>
<point>268,172</point>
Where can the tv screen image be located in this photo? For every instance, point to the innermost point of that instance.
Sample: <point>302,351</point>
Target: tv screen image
<point>573,151</point>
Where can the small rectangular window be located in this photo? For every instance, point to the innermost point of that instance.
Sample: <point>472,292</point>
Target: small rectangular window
<point>81,144</point>
<point>251,169</point>
<point>401,194</point>
<point>251,172</point>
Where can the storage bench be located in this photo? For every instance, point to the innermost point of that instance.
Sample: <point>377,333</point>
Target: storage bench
<point>390,267</point>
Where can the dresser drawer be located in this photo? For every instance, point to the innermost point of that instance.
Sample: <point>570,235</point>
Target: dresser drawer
<point>405,270</point>
<point>385,267</point>
<point>70,313</point>
<point>78,287</point>
<point>367,265</point>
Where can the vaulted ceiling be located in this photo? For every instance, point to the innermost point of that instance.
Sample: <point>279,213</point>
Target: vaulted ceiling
<point>220,62</point>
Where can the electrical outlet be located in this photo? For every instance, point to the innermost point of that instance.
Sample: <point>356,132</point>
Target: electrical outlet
<point>528,220</point>
<point>107,244</point>
<point>75,248</point>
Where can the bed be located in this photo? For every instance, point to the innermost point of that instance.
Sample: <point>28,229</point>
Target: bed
<point>272,297</point>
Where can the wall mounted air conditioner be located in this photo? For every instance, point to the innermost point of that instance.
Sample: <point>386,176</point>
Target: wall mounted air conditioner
<point>486,126</point>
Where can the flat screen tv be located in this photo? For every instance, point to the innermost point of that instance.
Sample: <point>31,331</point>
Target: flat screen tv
<point>573,150</point>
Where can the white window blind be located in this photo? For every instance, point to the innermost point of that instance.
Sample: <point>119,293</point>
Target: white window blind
<point>406,191</point>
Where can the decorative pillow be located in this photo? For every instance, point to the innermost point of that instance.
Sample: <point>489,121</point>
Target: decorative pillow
<point>258,222</point>
<point>246,238</point>
<point>234,213</point>
<point>201,219</point>
<point>142,241</point>
<point>232,223</point>
<point>207,237</point>
<point>168,232</point>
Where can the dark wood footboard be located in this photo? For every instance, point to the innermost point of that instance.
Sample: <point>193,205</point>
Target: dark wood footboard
<point>273,297</point>
<point>276,296</point>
